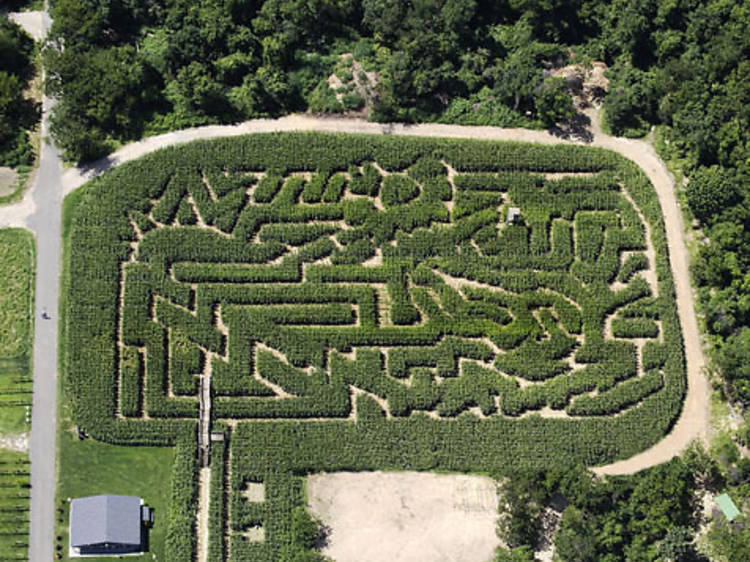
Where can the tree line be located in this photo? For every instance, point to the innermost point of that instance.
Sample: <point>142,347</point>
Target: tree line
<point>16,112</point>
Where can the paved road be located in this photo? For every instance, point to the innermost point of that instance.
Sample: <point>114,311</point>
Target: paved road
<point>42,207</point>
<point>45,222</point>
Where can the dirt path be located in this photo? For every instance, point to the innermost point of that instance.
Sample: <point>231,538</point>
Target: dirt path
<point>694,421</point>
<point>204,496</point>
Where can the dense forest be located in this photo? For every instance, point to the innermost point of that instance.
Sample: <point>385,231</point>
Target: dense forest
<point>16,112</point>
<point>653,515</point>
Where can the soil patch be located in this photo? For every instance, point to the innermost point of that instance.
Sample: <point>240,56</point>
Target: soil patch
<point>8,181</point>
<point>18,442</point>
<point>406,516</point>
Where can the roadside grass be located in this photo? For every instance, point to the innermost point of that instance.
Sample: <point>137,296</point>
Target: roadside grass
<point>17,256</point>
<point>24,173</point>
<point>14,505</point>
<point>88,468</point>
<point>16,291</point>
<point>17,264</point>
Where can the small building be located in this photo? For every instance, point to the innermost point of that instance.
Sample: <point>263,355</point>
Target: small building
<point>107,525</point>
<point>514,213</point>
<point>727,507</point>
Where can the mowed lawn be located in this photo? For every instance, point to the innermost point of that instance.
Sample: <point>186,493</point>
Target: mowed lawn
<point>89,468</point>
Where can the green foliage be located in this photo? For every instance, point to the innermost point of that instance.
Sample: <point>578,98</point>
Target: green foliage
<point>398,190</point>
<point>521,554</point>
<point>635,517</point>
<point>17,113</point>
<point>305,530</point>
<point>711,191</point>
<point>520,514</point>
<point>734,360</point>
<point>17,254</point>
<point>553,102</point>
<point>180,541</point>
<point>575,539</point>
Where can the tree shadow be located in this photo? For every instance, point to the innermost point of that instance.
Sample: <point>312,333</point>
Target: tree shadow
<point>575,129</point>
<point>321,540</point>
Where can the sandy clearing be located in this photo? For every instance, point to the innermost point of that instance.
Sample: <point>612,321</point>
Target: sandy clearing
<point>406,516</point>
<point>31,22</point>
<point>8,180</point>
<point>694,421</point>
<point>18,442</point>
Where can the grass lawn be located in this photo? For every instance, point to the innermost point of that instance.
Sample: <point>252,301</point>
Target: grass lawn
<point>88,468</point>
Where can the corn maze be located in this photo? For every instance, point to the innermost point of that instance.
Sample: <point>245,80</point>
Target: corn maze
<point>282,304</point>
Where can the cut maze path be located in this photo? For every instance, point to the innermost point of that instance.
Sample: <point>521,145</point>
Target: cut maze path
<point>693,423</point>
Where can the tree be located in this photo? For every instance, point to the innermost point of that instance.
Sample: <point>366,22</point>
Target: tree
<point>575,539</point>
<point>729,541</point>
<point>521,509</point>
<point>195,95</point>
<point>734,361</point>
<point>16,49</point>
<point>553,102</point>
<point>11,101</point>
<point>520,554</point>
<point>677,545</point>
<point>710,191</point>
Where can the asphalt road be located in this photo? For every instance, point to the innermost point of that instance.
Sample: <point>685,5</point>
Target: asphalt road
<point>45,223</point>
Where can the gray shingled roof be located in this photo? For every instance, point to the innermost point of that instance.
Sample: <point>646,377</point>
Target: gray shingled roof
<point>105,519</point>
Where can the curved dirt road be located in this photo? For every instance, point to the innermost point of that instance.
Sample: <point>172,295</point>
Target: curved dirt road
<point>694,421</point>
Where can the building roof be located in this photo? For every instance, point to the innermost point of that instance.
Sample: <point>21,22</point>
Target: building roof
<point>105,519</point>
<point>513,213</point>
<point>727,506</point>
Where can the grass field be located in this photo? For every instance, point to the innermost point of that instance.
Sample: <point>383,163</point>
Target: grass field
<point>89,468</point>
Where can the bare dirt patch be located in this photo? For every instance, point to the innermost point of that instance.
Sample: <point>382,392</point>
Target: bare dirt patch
<point>31,22</point>
<point>406,516</point>
<point>8,181</point>
<point>255,492</point>
<point>18,442</point>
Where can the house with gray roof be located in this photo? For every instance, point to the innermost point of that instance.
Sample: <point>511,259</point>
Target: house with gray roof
<point>107,525</point>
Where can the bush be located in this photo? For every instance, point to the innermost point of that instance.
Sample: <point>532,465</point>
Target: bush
<point>398,190</point>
